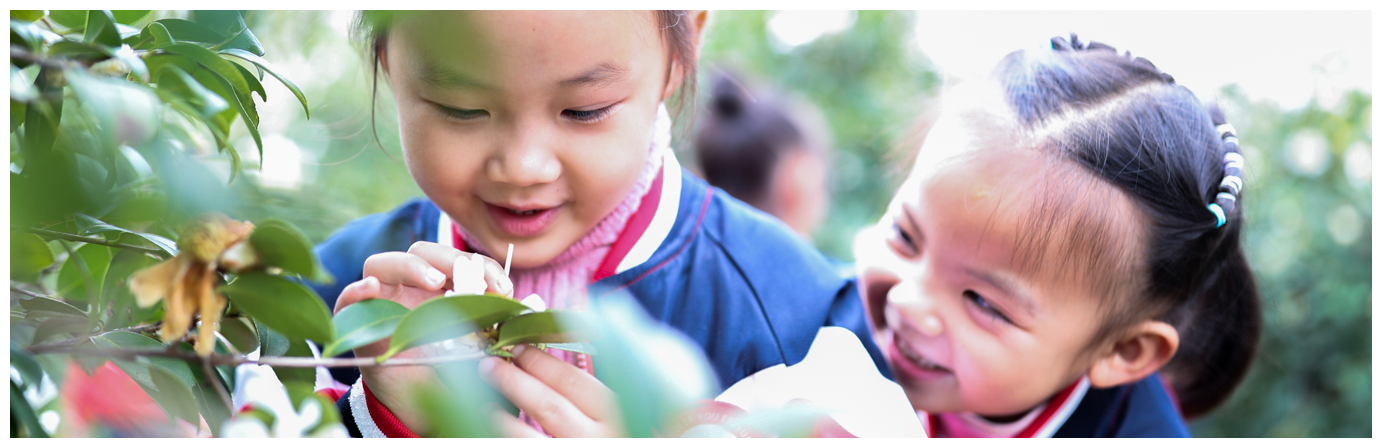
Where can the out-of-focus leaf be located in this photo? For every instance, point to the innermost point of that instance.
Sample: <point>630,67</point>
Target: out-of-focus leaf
<point>126,112</point>
<point>240,332</point>
<point>362,323</point>
<point>177,84</point>
<point>18,110</point>
<point>544,327</point>
<point>70,19</point>
<point>80,50</point>
<point>28,254</point>
<point>125,312</point>
<point>282,245</point>
<point>264,65</point>
<point>281,304</point>
<point>297,380</point>
<point>64,325</point>
<point>222,21</point>
<point>42,119</point>
<point>242,101</point>
<point>214,410</point>
<point>100,29</point>
<point>129,16</point>
<point>71,281</point>
<point>160,34</point>
<point>28,15</point>
<point>172,394</point>
<point>445,318</point>
<point>460,407</point>
<point>28,367</point>
<point>138,370</point>
<point>21,411</point>
<point>271,343</point>
<point>212,61</point>
<point>87,225</point>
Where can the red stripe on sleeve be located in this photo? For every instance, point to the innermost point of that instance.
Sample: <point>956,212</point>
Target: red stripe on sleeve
<point>385,420</point>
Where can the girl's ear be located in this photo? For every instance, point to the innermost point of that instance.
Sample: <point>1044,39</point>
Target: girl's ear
<point>1136,355</point>
<point>381,51</point>
<point>698,17</point>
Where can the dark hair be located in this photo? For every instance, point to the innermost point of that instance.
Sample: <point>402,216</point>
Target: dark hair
<point>742,140</point>
<point>1129,124</point>
<point>677,30</point>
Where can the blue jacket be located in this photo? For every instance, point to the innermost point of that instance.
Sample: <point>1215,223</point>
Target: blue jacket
<point>736,281</point>
<point>1140,409</point>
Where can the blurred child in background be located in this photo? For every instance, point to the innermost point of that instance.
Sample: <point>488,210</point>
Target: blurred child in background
<point>1065,257</point>
<point>767,152</point>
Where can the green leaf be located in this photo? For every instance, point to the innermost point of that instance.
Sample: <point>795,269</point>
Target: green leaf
<point>255,85</point>
<point>17,112</point>
<point>42,304</point>
<point>282,245</point>
<point>71,282</point>
<point>29,369</point>
<point>138,369</point>
<point>298,381</point>
<point>362,323</point>
<point>223,21</point>
<point>28,15</point>
<point>28,254</point>
<point>576,347</point>
<point>172,394</point>
<point>459,406</point>
<point>187,31</point>
<point>240,332</point>
<point>60,325</point>
<point>214,410</point>
<point>42,118</point>
<point>264,65</point>
<point>129,16</point>
<point>443,318</point>
<point>224,69</point>
<point>21,410</point>
<point>244,40</point>
<point>271,343</point>
<point>80,50</point>
<point>243,102</point>
<point>70,19</point>
<point>545,327</point>
<point>162,37</point>
<point>281,304</point>
<point>86,225</point>
<point>126,112</point>
<point>175,83</point>
<point>100,29</point>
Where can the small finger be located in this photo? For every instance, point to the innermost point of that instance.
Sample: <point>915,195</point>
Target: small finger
<point>553,411</point>
<point>366,288</point>
<point>405,269</point>
<point>585,391</point>
<point>510,426</point>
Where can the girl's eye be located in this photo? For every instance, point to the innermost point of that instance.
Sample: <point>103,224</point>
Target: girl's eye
<point>900,238</point>
<point>588,116</point>
<point>984,306</point>
<point>462,114</point>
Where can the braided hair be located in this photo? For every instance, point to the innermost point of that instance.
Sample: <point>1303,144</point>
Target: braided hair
<point>1131,125</point>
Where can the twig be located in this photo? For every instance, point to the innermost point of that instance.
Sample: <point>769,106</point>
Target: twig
<point>100,241</point>
<point>210,373</point>
<point>275,361</point>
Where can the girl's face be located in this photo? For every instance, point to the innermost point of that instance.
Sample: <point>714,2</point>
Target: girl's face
<point>965,323</point>
<point>527,127</point>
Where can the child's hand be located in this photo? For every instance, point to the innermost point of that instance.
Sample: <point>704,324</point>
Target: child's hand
<point>567,401</point>
<point>409,279</point>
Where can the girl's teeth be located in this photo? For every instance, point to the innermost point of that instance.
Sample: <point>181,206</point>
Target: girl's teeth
<point>913,356</point>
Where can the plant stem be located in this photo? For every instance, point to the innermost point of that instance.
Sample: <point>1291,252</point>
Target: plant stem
<point>211,377</point>
<point>100,241</point>
<point>275,361</point>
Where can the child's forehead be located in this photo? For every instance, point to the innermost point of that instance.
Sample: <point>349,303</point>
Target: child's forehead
<point>1036,216</point>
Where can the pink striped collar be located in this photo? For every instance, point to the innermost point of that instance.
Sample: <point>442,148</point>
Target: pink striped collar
<point>642,235</point>
<point>1047,422</point>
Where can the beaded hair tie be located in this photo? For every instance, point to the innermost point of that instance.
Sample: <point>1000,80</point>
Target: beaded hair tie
<point>1233,170</point>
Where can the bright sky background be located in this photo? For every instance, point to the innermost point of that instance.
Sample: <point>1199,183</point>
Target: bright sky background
<point>1284,56</point>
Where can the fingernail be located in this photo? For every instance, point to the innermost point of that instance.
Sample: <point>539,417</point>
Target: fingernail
<point>487,366</point>
<point>436,277</point>
<point>371,282</point>
<point>518,349</point>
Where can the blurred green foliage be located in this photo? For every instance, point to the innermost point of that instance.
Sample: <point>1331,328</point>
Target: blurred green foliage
<point>1308,195</point>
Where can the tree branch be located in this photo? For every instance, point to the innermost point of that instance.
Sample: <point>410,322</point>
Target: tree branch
<point>275,361</point>
<point>101,241</point>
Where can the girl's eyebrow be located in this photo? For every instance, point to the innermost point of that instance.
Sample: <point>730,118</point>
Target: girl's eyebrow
<point>602,74</point>
<point>443,78</point>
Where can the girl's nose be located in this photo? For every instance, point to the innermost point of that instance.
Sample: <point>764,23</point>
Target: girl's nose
<point>529,160</point>
<point>918,309</point>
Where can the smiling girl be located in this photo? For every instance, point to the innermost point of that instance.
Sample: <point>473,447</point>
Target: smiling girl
<point>548,131</point>
<point>1064,258</point>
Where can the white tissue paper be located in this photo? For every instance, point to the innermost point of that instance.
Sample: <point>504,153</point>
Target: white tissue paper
<point>468,276</point>
<point>839,375</point>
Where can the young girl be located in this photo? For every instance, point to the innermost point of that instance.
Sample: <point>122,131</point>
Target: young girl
<point>547,131</point>
<point>1064,258</point>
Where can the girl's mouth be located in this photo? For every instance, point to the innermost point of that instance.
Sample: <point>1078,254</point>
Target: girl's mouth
<point>523,222</point>
<point>907,361</point>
